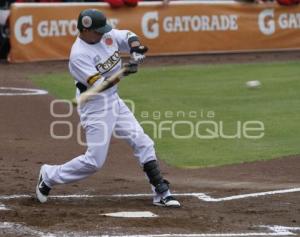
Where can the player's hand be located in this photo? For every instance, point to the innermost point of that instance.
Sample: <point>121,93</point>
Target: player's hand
<point>131,67</point>
<point>138,53</point>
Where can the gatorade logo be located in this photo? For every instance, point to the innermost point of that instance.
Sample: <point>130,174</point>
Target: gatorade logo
<point>150,26</point>
<point>23,30</point>
<point>268,22</point>
<point>187,23</point>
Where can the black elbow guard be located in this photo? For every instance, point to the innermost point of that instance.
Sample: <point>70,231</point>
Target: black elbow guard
<point>132,39</point>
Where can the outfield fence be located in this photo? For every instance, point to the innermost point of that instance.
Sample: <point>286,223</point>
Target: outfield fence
<point>43,31</point>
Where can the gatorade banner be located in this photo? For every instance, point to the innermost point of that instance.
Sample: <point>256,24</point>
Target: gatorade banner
<point>46,31</point>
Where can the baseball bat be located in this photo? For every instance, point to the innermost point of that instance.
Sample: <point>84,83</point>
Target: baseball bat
<point>112,80</point>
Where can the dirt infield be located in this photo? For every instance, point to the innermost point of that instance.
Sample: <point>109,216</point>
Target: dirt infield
<point>215,209</point>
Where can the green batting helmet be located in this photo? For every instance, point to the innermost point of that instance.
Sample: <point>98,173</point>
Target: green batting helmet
<point>93,19</point>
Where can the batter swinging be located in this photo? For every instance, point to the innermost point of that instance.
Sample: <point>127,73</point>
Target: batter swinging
<point>94,57</point>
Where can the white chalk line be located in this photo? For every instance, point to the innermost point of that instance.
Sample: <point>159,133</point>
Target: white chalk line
<point>15,196</point>
<point>201,196</point>
<point>23,229</point>
<point>242,196</point>
<point>3,207</point>
<point>17,91</point>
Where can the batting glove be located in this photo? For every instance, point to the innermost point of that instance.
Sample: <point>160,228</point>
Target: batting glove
<point>138,53</point>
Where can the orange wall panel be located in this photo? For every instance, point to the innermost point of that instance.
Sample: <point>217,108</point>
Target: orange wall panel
<point>46,31</point>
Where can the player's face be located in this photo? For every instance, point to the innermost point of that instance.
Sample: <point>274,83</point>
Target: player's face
<point>93,37</point>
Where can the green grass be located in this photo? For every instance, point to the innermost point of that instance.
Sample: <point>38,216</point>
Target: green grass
<point>217,88</point>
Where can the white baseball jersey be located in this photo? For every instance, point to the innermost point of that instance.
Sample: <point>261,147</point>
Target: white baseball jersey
<point>89,61</point>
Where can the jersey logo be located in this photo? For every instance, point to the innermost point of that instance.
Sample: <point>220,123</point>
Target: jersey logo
<point>108,40</point>
<point>109,63</point>
<point>97,59</point>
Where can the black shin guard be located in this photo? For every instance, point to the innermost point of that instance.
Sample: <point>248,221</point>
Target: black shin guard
<point>155,178</point>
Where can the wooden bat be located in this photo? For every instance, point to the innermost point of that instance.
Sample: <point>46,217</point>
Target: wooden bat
<point>109,82</point>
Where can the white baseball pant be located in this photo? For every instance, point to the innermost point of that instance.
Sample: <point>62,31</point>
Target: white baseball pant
<point>100,117</point>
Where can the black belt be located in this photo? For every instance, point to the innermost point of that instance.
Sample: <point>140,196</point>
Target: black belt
<point>82,88</point>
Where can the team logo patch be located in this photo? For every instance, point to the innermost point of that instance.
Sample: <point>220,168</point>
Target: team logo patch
<point>109,41</point>
<point>87,21</point>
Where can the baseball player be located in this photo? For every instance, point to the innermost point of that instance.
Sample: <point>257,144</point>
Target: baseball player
<point>95,56</point>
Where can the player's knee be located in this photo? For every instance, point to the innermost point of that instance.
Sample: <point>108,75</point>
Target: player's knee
<point>95,159</point>
<point>94,166</point>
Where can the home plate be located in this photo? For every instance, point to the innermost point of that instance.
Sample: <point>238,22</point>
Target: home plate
<point>131,214</point>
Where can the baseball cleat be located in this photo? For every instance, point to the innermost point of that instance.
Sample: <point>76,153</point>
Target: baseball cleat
<point>42,190</point>
<point>168,201</point>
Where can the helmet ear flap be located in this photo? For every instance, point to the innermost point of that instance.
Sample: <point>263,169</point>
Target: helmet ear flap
<point>79,22</point>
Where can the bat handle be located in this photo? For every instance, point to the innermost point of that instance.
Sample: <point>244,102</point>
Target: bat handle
<point>109,82</point>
